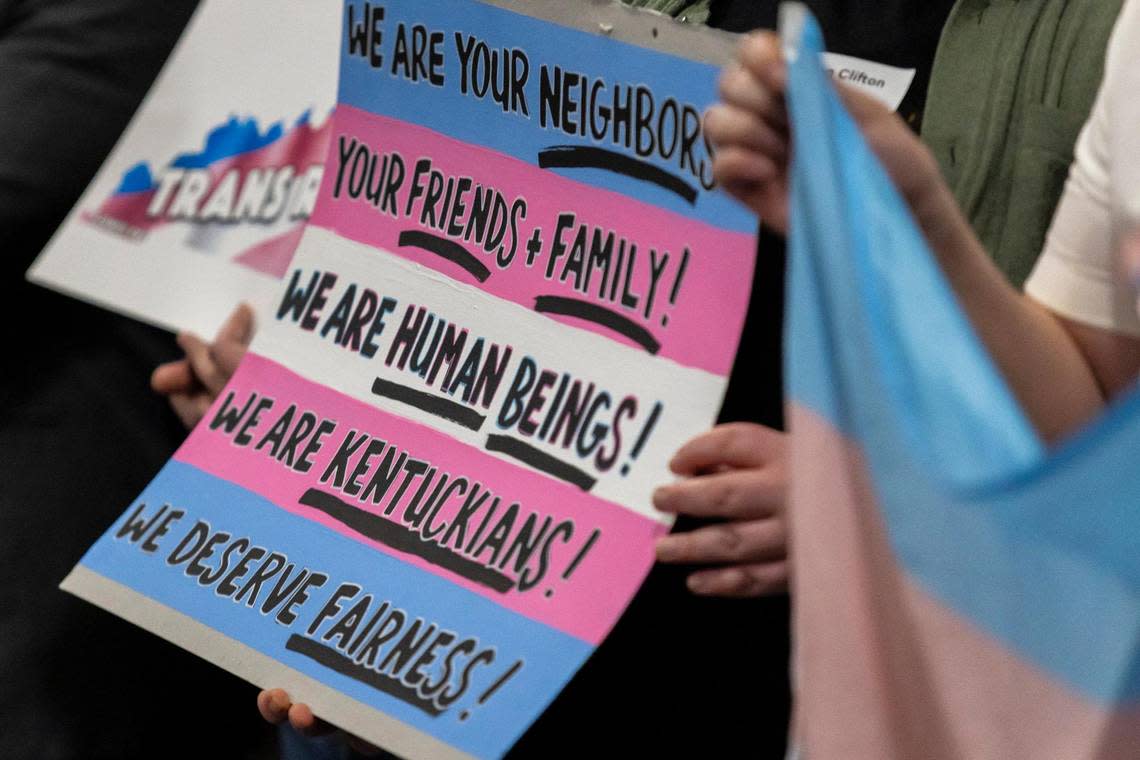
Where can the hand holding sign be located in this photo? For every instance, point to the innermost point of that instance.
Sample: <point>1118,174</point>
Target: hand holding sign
<point>194,382</point>
<point>736,473</point>
<point>276,708</point>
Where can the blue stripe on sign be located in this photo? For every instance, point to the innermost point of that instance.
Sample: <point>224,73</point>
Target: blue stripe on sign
<point>487,730</point>
<point>483,121</point>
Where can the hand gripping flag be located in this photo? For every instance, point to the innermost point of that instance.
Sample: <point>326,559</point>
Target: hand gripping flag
<point>959,591</point>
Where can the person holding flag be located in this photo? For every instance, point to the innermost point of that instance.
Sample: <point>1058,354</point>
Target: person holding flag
<point>963,522</point>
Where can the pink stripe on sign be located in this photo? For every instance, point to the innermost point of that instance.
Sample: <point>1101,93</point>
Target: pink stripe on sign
<point>883,670</point>
<point>688,307</point>
<point>584,556</point>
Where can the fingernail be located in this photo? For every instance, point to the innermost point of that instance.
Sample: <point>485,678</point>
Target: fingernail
<point>697,584</point>
<point>661,498</point>
<point>187,338</point>
<point>666,551</point>
<point>247,333</point>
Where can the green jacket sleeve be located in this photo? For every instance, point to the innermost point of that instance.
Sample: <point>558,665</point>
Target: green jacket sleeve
<point>1013,82</point>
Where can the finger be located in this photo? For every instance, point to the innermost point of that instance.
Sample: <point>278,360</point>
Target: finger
<point>737,87</point>
<point>201,359</point>
<point>742,190</point>
<point>173,377</point>
<point>273,704</point>
<point>735,444</point>
<point>729,125</point>
<point>863,108</point>
<point>735,542</point>
<point>238,328</point>
<point>767,199</point>
<point>302,719</point>
<point>733,165</point>
<point>737,494</point>
<point>190,407</point>
<point>909,163</point>
<point>740,581</point>
<point>227,356</point>
<point>761,57</point>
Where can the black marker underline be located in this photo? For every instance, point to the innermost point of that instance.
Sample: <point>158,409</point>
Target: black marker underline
<point>574,307</point>
<point>438,406</point>
<point>336,661</point>
<point>447,249</point>
<point>540,460</point>
<point>583,157</point>
<point>396,536</point>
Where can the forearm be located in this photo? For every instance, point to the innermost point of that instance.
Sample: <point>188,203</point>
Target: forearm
<point>1040,360</point>
<point>1050,372</point>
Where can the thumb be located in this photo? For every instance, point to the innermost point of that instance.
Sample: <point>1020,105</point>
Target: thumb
<point>228,355</point>
<point>863,108</point>
<point>238,327</point>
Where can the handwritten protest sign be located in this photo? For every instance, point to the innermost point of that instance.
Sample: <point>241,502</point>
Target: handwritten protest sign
<point>424,498</point>
<point>201,204</point>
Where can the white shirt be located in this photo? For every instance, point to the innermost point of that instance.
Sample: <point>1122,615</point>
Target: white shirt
<point>1078,275</point>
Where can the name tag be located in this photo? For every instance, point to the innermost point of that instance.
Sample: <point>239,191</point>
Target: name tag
<point>887,84</point>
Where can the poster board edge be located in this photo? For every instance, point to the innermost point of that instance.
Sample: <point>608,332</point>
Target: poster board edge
<point>257,668</point>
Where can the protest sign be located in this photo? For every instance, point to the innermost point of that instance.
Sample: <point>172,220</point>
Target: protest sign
<point>201,203</point>
<point>424,498</point>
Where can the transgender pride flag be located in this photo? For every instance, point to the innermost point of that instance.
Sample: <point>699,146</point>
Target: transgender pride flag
<point>960,592</point>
